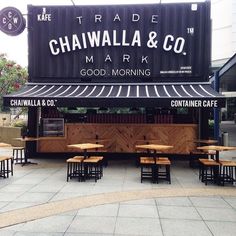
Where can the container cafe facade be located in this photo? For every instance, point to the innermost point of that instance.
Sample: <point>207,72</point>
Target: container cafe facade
<point>139,73</point>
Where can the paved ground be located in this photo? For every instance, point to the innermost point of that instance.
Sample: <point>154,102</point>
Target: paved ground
<point>37,200</point>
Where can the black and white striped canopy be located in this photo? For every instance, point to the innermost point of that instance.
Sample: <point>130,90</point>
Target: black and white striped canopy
<point>110,95</point>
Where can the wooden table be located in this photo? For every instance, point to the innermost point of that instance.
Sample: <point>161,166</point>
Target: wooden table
<point>154,147</point>
<point>205,141</point>
<point>217,149</point>
<point>5,145</point>
<point>27,139</point>
<point>85,147</point>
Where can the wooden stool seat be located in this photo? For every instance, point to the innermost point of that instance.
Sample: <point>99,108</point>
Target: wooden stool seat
<point>163,161</point>
<point>227,172</point>
<point>91,160</point>
<point>78,157</point>
<point>74,160</point>
<point>100,158</point>
<point>150,161</point>
<point>227,163</point>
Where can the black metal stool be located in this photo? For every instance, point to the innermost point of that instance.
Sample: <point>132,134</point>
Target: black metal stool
<point>74,168</point>
<point>227,172</point>
<point>162,169</point>
<point>147,168</point>
<point>100,164</point>
<point>92,168</point>
<point>209,171</point>
<point>18,154</point>
<point>6,166</point>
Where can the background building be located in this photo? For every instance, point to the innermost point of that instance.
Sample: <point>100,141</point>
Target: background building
<point>223,51</point>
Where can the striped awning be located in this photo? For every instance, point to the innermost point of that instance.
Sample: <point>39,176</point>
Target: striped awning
<point>116,95</point>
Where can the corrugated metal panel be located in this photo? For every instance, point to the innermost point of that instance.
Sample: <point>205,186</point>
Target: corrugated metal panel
<point>184,21</point>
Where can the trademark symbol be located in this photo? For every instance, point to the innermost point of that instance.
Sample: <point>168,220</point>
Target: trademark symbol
<point>190,31</point>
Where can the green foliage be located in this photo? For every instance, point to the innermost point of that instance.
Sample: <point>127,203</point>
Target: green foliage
<point>12,77</point>
<point>21,124</point>
<point>211,124</point>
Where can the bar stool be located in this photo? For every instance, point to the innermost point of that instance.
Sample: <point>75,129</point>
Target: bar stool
<point>209,170</point>
<point>74,169</point>
<point>100,164</point>
<point>18,154</point>
<point>92,168</point>
<point>147,168</point>
<point>227,172</point>
<point>6,166</point>
<point>162,169</point>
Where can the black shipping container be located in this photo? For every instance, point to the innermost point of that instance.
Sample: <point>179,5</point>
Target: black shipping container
<point>119,43</point>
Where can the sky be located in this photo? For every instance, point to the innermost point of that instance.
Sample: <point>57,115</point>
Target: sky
<point>16,47</point>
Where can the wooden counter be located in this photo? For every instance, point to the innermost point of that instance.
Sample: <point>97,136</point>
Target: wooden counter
<point>124,137</point>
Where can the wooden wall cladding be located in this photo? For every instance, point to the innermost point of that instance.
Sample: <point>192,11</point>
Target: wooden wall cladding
<point>124,137</point>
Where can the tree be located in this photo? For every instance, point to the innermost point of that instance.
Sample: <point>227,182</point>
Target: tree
<point>12,77</point>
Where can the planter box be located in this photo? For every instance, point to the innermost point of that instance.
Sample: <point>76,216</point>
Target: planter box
<point>8,134</point>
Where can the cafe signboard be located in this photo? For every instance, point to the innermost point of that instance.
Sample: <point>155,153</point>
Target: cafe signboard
<point>119,43</point>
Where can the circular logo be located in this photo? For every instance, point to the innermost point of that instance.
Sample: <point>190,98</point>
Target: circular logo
<point>11,21</point>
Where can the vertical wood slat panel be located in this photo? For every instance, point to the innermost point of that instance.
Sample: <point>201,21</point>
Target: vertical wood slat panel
<point>123,137</point>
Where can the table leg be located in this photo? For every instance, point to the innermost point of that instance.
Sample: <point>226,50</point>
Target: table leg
<point>27,146</point>
<point>217,156</point>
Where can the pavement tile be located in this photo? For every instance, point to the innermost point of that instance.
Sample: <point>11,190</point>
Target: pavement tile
<point>69,213</point>
<point>217,202</point>
<point>3,204</point>
<point>91,224</point>
<point>138,226</point>
<point>6,197</point>
<point>173,201</point>
<point>35,197</point>
<point>46,188</point>
<point>28,180</point>
<point>178,212</point>
<point>140,202</point>
<point>222,228</point>
<point>37,234</point>
<point>86,234</point>
<point>17,205</point>
<point>13,228</point>
<point>138,211</point>
<point>20,188</point>
<point>7,232</point>
<point>102,210</point>
<point>231,201</point>
<point>174,227</point>
<point>64,195</point>
<point>52,224</point>
<point>217,214</point>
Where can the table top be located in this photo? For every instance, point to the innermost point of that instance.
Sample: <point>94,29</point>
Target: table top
<point>25,139</point>
<point>156,147</point>
<point>206,141</point>
<point>84,146</point>
<point>5,145</point>
<point>216,148</point>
